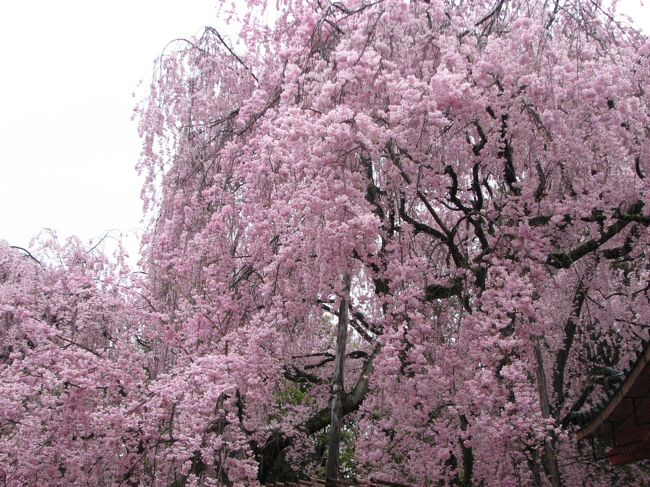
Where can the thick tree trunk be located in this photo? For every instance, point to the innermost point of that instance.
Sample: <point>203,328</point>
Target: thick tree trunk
<point>549,450</point>
<point>272,450</point>
<point>338,391</point>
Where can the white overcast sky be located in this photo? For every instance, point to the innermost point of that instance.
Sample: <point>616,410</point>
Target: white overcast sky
<point>67,143</point>
<point>68,146</point>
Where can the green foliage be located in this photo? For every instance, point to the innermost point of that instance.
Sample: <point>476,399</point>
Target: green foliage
<point>347,463</point>
<point>290,396</point>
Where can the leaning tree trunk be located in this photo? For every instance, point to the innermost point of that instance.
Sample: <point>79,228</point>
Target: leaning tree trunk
<point>338,390</point>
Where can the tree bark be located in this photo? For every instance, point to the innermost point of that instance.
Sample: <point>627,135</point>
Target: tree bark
<point>338,390</point>
<point>549,450</point>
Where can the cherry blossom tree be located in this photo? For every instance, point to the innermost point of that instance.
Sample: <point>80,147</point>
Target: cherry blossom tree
<point>477,168</point>
<point>69,370</point>
<point>426,221</point>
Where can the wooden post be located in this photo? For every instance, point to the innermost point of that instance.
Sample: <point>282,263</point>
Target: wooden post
<point>338,390</point>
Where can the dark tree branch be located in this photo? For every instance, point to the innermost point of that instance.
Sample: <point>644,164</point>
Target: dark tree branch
<point>623,250</point>
<point>541,187</point>
<point>214,31</point>
<point>294,374</point>
<point>506,153</point>
<point>453,190</point>
<point>476,148</point>
<point>476,187</point>
<point>352,400</point>
<point>361,322</point>
<point>637,167</point>
<point>373,192</point>
<point>564,260</point>
<point>569,334</point>
<point>27,253</point>
<point>420,227</point>
<point>453,194</point>
<point>436,291</point>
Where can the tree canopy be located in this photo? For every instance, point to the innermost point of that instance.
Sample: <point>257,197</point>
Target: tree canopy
<point>463,182</point>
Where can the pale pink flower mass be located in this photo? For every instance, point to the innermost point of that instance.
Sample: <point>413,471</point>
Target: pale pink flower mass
<point>479,171</point>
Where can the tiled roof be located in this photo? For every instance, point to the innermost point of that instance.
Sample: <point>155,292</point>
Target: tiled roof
<point>613,385</point>
<point>622,419</point>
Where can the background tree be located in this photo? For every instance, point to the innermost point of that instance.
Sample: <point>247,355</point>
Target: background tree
<point>69,372</point>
